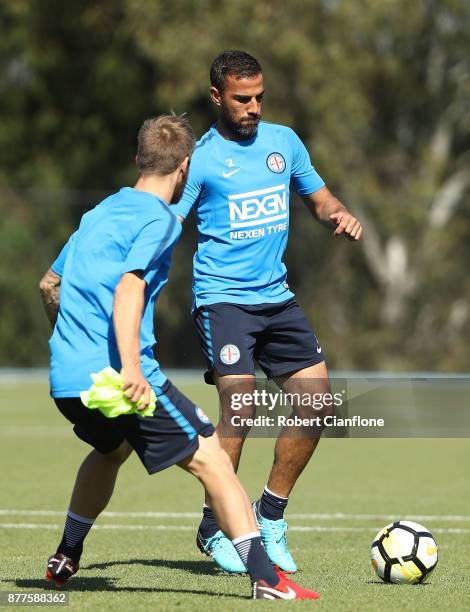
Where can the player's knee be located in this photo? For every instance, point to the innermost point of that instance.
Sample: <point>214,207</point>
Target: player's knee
<point>236,396</point>
<point>210,460</point>
<point>320,407</point>
<point>326,410</point>
<point>238,408</point>
<point>313,419</point>
<point>119,455</point>
<point>236,422</point>
<point>320,414</point>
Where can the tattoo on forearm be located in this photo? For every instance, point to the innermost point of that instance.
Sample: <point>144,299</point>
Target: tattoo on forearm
<point>50,291</point>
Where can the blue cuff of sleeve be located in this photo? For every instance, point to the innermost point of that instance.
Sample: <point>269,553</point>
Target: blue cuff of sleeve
<point>56,270</point>
<point>311,189</point>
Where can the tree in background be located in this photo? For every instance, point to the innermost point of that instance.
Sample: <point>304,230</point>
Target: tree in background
<point>72,95</point>
<point>379,92</point>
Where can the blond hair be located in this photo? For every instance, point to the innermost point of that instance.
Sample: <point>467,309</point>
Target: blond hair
<point>162,144</point>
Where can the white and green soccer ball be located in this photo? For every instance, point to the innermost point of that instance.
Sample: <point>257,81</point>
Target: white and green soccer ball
<point>404,552</point>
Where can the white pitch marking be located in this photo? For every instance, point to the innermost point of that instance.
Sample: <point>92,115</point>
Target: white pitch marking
<point>114,527</point>
<point>28,526</point>
<point>191,528</point>
<point>340,516</point>
<point>6,512</point>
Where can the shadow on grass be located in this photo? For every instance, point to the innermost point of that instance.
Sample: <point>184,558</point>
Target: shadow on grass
<point>390,584</point>
<point>108,584</point>
<point>207,568</point>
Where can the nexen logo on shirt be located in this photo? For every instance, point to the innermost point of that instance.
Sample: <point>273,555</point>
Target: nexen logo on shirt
<point>258,207</point>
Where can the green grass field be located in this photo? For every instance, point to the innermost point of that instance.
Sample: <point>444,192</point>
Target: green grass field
<point>142,554</point>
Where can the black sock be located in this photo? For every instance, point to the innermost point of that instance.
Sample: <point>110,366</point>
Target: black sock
<point>75,531</point>
<point>252,553</point>
<point>208,526</point>
<point>272,506</point>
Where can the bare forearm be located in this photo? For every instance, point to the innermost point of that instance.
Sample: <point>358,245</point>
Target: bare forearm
<point>332,213</point>
<point>129,299</point>
<point>322,204</point>
<point>49,287</point>
<point>127,316</point>
<point>328,207</point>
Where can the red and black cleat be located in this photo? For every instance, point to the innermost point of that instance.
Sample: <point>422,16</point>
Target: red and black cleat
<point>285,589</point>
<point>60,568</point>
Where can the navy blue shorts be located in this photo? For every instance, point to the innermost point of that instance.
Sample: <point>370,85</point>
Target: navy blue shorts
<point>166,438</point>
<point>277,336</point>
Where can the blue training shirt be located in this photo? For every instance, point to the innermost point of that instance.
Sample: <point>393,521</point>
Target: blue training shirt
<point>240,194</point>
<point>129,231</point>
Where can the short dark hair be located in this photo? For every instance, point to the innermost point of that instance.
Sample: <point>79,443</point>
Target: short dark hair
<point>162,144</point>
<point>233,63</point>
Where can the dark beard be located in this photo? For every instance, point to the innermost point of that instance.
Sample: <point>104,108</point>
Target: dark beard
<point>241,131</point>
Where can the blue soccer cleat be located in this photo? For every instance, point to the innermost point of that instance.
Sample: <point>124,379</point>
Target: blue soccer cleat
<point>273,535</point>
<point>224,553</point>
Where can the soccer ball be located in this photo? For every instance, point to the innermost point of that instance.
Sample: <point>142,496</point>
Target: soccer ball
<point>404,553</point>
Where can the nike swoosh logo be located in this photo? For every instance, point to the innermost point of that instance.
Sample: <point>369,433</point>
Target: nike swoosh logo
<point>227,174</point>
<point>279,594</point>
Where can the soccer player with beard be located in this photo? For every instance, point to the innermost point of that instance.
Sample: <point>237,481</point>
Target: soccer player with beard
<point>99,295</point>
<point>238,186</point>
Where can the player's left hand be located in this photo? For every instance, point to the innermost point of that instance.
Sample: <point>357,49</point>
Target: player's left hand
<point>347,225</point>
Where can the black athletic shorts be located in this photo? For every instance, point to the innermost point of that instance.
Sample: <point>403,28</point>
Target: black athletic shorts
<point>166,438</point>
<point>277,336</point>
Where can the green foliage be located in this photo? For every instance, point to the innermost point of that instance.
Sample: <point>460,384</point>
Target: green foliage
<point>377,90</point>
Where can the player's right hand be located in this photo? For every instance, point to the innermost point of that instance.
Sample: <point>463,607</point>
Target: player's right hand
<point>136,386</point>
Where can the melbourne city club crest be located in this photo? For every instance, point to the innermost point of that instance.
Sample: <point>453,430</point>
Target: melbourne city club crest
<point>202,416</point>
<point>229,354</point>
<point>276,163</point>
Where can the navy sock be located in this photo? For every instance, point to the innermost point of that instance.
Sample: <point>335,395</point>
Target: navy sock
<point>252,553</point>
<point>271,506</point>
<point>208,526</point>
<point>75,531</point>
